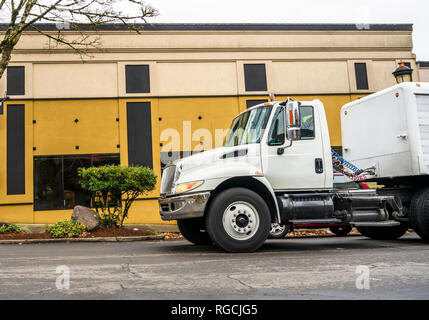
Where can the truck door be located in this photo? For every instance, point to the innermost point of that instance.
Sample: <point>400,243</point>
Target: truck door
<point>300,165</point>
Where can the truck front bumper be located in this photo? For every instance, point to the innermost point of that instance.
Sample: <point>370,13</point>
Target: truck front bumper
<point>184,206</point>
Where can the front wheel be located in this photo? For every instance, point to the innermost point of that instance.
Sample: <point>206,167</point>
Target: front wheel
<point>383,233</point>
<point>238,220</point>
<point>194,230</point>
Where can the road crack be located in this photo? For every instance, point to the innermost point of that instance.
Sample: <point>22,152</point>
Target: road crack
<point>240,282</point>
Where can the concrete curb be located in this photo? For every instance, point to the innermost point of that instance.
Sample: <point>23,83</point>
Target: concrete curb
<point>38,228</point>
<point>98,239</point>
<point>320,236</point>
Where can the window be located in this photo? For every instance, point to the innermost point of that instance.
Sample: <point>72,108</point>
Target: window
<point>137,79</point>
<point>248,127</point>
<point>56,183</point>
<point>277,133</point>
<point>307,122</point>
<point>252,103</point>
<point>255,77</point>
<point>16,80</point>
<point>361,76</point>
<point>15,161</point>
<point>139,133</point>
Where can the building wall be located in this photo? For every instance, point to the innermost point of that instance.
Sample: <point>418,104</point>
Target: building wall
<point>424,73</point>
<point>78,105</point>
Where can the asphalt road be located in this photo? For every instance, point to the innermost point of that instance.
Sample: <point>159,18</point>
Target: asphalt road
<point>315,268</point>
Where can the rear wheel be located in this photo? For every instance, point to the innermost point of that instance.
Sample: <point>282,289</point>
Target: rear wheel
<point>419,213</point>
<point>341,231</point>
<point>194,230</point>
<point>383,233</point>
<point>278,231</point>
<point>238,220</point>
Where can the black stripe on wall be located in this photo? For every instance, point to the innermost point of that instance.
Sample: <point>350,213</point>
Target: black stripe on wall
<point>15,149</point>
<point>139,130</point>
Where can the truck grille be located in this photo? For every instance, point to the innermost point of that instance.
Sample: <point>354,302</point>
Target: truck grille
<point>167,179</point>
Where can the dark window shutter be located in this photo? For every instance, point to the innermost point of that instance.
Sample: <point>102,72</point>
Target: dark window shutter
<point>255,77</point>
<point>252,103</point>
<point>139,130</point>
<point>15,149</point>
<point>361,76</point>
<point>137,79</point>
<point>16,80</point>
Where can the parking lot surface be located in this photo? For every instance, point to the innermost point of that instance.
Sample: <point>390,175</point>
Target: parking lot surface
<point>351,267</point>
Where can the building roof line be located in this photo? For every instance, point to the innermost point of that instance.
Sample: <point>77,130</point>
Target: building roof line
<point>232,27</point>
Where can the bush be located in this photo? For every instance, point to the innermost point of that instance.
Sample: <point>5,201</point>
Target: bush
<point>66,229</point>
<point>10,228</point>
<point>114,188</point>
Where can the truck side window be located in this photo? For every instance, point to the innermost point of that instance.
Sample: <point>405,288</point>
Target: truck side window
<point>277,132</point>
<point>307,122</point>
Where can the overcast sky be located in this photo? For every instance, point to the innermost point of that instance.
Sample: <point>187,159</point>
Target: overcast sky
<point>301,11</point>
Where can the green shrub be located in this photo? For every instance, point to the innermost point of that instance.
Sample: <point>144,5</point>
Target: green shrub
<point>66,229</point>
<point>10,228</point>
<point>114,188</point>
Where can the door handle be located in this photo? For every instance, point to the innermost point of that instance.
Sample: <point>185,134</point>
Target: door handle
<point>318,164</point>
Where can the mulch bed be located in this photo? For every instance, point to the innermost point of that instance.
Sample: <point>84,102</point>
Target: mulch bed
<point>109,232</point>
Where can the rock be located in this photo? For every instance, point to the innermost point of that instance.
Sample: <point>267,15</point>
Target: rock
<point>89,218</point>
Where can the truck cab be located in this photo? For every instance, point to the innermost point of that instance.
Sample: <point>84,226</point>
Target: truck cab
<point>275,168</point>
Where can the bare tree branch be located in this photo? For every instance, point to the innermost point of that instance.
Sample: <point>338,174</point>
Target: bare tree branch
<point>67,15</point>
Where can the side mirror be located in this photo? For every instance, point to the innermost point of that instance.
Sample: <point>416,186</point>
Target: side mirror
<point>293,121</point>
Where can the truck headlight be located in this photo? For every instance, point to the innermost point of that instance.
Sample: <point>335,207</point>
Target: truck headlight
<point>188,186</point>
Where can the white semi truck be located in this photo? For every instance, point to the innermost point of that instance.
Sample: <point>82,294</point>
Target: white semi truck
<point>276,169</point>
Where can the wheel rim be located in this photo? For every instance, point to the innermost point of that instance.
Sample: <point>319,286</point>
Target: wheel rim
<point>277,229</point>
<point>240,220</point>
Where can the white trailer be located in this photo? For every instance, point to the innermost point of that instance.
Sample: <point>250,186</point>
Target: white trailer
<point>389,130</point>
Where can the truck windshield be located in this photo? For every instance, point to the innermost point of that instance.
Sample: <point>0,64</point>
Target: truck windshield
<point>248,127</point>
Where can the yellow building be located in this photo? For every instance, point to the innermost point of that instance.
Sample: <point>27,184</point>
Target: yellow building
<point>64,111</point>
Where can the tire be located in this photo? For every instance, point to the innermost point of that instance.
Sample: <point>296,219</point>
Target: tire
<point>194,231</point>
<point>383,233</point>
<point>278,231</point>
<point>238,220</point>
<point>341,231</point>
<point>419,213</point>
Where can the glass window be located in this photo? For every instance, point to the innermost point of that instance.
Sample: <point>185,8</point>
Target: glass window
<point>277,133</point>
<point>56,183</point>
<point>361,76</point>
<point>137,79</point>
<point>248,127</point>
<point>307,122</point>
<point>255,77</point>
<point>16,80</point>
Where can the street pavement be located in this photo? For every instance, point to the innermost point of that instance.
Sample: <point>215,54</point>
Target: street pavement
<point>351,267</point>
